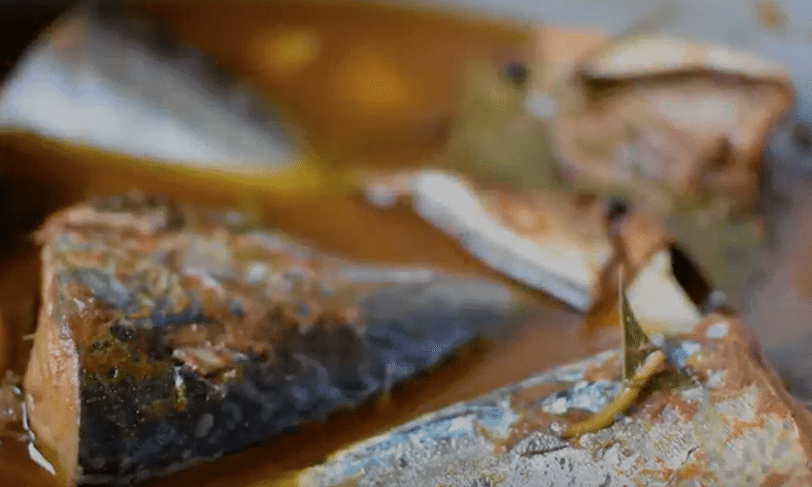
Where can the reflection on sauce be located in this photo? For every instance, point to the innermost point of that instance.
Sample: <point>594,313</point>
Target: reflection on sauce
<point>19,289</point>
<point>368,82</point>
<point>17,468</point>
<point>371,84</point>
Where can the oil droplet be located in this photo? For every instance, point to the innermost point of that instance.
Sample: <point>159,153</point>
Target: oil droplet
<point>287,52</point>
<point>372,82</point>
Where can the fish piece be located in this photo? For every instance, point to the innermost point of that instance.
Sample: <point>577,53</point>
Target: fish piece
<point>530,238</point>
<point>733,425</point>
<point>626,109</point>
<point>121,81</point>
<point>646,55</point>
<point>667,118</point>
<point>555,242</point>
<point>675,126</point>
<point>564,244</point>
<point>170,335</point>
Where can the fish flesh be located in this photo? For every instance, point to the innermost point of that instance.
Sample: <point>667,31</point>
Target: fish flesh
<point>542,240</point>
<point>169,335</point>
<point>667,117</point>
<point>551,241</point>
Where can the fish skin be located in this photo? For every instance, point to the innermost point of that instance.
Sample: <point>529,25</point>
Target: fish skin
<point>120,81</point>
<point>733,424</point>
<point>189,351</point>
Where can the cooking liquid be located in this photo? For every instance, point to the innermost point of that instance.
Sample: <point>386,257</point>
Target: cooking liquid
<point>372,85</point>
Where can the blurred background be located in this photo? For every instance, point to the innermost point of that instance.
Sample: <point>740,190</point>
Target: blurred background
<point>289,109</point>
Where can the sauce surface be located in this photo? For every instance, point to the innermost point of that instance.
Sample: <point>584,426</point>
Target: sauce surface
<point>367,83</point>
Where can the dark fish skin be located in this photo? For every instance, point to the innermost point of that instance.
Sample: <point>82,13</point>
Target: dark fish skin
<point>197,336</point>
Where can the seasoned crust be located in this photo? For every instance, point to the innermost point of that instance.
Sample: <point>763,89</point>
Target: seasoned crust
<point>192,334</point>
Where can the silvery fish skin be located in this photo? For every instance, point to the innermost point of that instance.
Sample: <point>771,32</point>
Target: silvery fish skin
<point>170,335</point>
<point>121,82</point>
<point>731,424</point>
